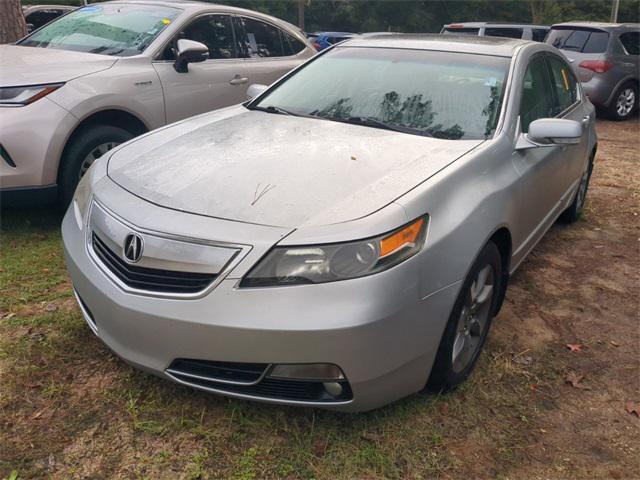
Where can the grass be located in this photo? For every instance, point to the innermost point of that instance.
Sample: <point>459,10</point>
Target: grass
<point>64,393</point>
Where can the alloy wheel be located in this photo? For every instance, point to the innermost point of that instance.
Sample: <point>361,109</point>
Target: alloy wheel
<point>93,155</point>
<point>625,102</point>
<point>473,319</point>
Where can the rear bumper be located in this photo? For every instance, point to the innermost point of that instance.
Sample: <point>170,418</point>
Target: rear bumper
<point>376,329</point>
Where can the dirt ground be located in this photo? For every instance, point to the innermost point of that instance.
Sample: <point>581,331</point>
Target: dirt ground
<point>535,408</point>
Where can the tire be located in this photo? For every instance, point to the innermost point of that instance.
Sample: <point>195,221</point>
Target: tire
<point>450,370</point>
<point>624,103</point>
<point>574,211</point>
<point>86,145</point>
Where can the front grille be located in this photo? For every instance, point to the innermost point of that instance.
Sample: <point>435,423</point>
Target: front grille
<point>150,279</point>
<point>208,377</point>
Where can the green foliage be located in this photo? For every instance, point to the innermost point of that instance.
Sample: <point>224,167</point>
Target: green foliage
<point>424,15</point>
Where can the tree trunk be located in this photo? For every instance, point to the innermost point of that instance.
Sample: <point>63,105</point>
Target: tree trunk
<point>12,24</point>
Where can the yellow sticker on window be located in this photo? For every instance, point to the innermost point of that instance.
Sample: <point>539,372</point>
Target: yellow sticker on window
<point>566,79</point>
<point>166,21</point>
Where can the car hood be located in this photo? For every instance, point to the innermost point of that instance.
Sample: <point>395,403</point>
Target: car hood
<point>278,170</point>
<point>33,66</point>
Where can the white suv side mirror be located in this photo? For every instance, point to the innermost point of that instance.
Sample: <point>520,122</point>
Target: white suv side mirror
<point>189,51</point>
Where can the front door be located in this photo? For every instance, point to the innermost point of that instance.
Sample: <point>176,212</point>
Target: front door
<point>217,82</point>
<point>542,170</point>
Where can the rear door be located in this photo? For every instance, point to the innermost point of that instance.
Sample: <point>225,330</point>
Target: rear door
<point>217,82</point>
<point>269,51</point>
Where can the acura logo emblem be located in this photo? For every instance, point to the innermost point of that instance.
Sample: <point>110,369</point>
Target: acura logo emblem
<point>133,247</point>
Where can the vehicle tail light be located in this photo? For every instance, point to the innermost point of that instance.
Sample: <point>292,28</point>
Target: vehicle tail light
<point>598,66</point>
<point>316,45</point>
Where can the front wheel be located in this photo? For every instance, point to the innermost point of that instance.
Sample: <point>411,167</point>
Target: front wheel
<point>85,148</point>
<point>469,323</point>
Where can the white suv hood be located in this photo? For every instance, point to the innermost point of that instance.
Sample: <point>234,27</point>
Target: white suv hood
<point>33,66</point>
<point>278,170</point>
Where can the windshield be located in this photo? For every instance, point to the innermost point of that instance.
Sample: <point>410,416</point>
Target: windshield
<point>109,29</point>
<point>440,94</point>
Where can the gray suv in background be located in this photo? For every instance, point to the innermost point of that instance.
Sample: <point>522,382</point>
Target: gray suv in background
<point>605,58</point>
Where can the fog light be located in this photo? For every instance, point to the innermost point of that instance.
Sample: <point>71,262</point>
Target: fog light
<point>310,371</point>
<point>333,388</point>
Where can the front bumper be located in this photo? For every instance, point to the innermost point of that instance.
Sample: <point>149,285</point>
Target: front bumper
<point>34,137</point>
<point>376,329</point>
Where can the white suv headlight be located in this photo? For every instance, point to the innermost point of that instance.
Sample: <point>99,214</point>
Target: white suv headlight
<point>341,261</point>
<point>20,96</point>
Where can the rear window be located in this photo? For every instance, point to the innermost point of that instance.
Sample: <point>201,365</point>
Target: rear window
<point>503,32</point>
<point>461,31</point>
<point>581,40</point>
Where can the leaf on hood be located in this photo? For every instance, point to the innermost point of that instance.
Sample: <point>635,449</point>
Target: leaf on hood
<point>574,347</point>
<point>574,380</point>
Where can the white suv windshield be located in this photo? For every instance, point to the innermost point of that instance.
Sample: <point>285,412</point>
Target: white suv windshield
<point>438,94</point>
<point>109,29</point>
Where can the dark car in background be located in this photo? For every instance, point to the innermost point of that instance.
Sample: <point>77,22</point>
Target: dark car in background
<point>488,29</point>
<point>324,40</point>
<point>605,58</point>
<point>38,15</point>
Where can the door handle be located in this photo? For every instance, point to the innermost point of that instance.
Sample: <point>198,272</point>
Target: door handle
<point>238,80</point>
<point>586,119</point>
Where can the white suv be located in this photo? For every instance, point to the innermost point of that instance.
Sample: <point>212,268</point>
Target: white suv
<point>107,72</point>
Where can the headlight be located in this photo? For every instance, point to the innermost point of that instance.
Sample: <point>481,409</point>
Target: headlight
<point>329,263</point>
<point>19,96</point>
<point>81,199</point>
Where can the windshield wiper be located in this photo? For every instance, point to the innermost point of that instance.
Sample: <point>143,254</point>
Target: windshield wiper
<point>374,122</point>
<point>273,109</point>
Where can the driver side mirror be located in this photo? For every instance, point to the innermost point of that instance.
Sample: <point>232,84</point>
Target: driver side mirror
<point>189,51</point>
<point>550,132</point>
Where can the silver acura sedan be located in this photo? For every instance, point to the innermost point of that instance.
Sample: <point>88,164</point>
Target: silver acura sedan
<point>344,238</point>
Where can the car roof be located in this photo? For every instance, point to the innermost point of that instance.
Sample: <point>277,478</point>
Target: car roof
<point>493,24</point>
<point>497,46</point>
<point>600,25</point>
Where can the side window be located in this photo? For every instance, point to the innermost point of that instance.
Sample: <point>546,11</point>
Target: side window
<point>291,44</point>
<point>537,98</point>
<point>631,42</point>
<point>503,32</point>
<point>564,84</point>
<point>214,31</point>
<point>538,34</point>
<point>263,40</point>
